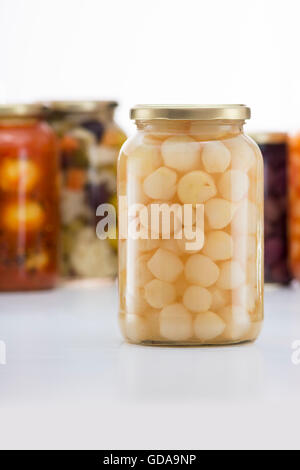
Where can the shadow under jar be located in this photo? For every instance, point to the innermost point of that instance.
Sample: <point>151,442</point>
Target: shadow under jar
<point>197,161</point>
<point>29,200</point>
<point>274,148</point>
<point>90,141</point>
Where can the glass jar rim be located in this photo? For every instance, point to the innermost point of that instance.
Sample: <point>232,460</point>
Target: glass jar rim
<point>190,112</point>
<point>80,106</point>
<point>269,137</point>
<point>21,110</point>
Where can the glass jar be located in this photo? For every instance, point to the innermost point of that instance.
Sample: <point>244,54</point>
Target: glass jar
<point>29,200</point>
<point>190,186</point>
<point>90,141</point>
<point>274,149</point>
<point>294,200</point>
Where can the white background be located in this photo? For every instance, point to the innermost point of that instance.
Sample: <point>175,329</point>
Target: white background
<point>158,51</point>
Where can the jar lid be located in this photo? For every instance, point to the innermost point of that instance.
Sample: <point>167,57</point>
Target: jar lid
<point>205,112</point>
<point>78,107</point>
<point>270,137</point>
<point>21,110</point>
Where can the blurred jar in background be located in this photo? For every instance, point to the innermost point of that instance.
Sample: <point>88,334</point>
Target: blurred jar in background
<point>29,200</point>
<point>294,194</point>
<point>274,148</point>
<point>90,141</point>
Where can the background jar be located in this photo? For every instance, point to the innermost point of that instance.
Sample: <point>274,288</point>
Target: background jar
<point>90,141</point>
<point>214,294</point>
<point>29,200</point>
<point>294,199</point>
<point>274,148</point>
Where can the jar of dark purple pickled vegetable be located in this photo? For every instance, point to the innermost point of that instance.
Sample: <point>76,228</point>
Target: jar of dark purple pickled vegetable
<point>274,147</point>
<point>90,141</point>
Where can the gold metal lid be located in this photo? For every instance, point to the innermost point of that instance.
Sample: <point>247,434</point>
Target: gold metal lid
<point>205,112</point>
<point>77,107</point>
<point>21,110</point>
<point>269,137</point>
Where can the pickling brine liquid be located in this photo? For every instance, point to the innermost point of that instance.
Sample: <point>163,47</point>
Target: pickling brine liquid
<point>172,292</point>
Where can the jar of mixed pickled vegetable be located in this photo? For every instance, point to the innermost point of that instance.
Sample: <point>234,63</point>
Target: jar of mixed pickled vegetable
<point>90,141</point>
<point>190,188</point>
<point>274,148</point>
<point>294,200</point>
<point>29,200</point>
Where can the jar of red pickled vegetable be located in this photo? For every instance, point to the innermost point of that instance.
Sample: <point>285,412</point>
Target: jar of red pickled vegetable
<point>190,185</point>
<point>274,148</point>
<point>294,199</point>
<point>29,200</point>
<point>90,141</point>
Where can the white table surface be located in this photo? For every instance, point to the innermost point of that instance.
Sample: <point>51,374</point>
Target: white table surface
<point>71,382</point>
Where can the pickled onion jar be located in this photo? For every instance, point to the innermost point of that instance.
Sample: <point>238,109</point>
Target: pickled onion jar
<point>190,194</point>
<point>90,141</point>
<point>29,200</point>
<point>274,148</point>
